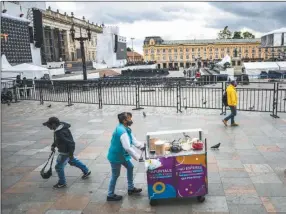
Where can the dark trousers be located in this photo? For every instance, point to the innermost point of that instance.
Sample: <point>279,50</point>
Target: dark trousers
<point>232,114</point>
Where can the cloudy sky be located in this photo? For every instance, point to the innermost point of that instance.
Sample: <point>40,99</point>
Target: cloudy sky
<point>180,20</point>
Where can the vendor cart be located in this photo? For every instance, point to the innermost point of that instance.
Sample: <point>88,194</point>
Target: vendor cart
<point>181,174</point>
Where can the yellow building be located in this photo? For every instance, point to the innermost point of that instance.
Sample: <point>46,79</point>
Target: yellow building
<point>183,53</point>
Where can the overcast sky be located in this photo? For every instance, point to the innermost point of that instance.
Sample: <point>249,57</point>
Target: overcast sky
<point>183,20</point>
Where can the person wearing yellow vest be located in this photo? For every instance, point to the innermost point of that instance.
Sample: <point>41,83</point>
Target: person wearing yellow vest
<point>232,103</point>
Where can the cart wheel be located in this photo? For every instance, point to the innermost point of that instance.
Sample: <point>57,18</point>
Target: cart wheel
<point>153,202</point>
<point>201,199</point>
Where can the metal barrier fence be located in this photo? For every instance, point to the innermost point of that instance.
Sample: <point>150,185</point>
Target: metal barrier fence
<point>179,93</point>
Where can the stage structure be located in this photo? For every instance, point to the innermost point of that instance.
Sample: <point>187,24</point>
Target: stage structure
<point>111,48</point>
<point>274,43</point>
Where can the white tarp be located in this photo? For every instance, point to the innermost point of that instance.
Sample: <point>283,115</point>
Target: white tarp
<point>282,65</point>
<point>224,60</point>
<point>255,68</point>
<point>5,64</point>
<point>105,48</point>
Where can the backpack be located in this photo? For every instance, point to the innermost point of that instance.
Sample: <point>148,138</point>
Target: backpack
<point>224,99</point>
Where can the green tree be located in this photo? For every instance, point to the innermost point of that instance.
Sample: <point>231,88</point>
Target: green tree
<point>248,35</point>
<point>237,35</point>
<point>128,49</point>
<point>225,33</point>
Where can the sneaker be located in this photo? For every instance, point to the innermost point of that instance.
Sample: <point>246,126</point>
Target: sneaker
<point>234,124</point>
<point>134,191</point>
<point>224,122</point>
<point>59,186</point>
<point>86,175</point>
<point>114,198</point>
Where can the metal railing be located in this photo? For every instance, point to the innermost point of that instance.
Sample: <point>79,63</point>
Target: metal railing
<point>179,93</point>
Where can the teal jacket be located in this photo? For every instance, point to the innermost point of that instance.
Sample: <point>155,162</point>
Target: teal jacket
<point>116,152</point>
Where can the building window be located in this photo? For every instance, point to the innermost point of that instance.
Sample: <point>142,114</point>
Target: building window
<point>187,57</point>
<point>181,57</point>
<point>187,50</point>
<point>158,51</point>
<point>205,49</point>
<point>216,49</point>
<point>164,58</point>
<point>164,50</point>
<point>222,55</point>
<point>216,56</point>
<point>152,51</point>
<point>176,57</point>
<point>211,49</point>
<point>193,49</point>
<point>181,50</point>
<point>170,58</point>
<point>175,50</point>
<point>211,57</point>
<point>170,51</point>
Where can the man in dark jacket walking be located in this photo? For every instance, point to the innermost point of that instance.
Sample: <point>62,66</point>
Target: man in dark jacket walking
<point>63,140</point>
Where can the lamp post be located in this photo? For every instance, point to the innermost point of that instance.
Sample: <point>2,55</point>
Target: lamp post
<point>81,40</point>
<point>132,48</point>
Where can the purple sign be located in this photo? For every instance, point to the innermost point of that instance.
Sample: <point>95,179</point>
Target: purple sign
<point>191,175</point>
<point>182,176</point>
<point>161,182</point>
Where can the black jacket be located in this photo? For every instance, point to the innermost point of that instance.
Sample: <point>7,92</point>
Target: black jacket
<point>63,139</point>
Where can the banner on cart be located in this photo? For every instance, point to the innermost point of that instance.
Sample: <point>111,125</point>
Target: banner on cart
<point>182,176</point>
<point>191,173</point>
<point>160,181</point>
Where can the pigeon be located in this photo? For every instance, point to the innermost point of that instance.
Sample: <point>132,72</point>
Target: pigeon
<point>251,108</point>
<point>216,146</point>
<point>185,135</point>
<point>205,102</point>
<point>144,114</point>
<point>49,106</point>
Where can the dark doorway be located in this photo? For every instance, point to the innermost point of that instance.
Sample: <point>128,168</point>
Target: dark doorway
<point>187,65</point>
<point>181,65</point>
<point>164,65</point>
<point>159,66</point>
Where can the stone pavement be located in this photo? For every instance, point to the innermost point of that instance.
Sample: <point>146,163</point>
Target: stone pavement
<point>245,176</point>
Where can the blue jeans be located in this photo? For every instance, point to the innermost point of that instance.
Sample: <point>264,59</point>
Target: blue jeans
<point>115,170</point>
<point>232,114</point>
<point>62,161</point>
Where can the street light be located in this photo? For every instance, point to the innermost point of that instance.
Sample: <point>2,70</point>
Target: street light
<point>81,40</point>
<point>132,48</point>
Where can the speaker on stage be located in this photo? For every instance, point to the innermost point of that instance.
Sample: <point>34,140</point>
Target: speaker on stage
<point>115,43</point>
<point>31,34</point>
<point>38,27</point>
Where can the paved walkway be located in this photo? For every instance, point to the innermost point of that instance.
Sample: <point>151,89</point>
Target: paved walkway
<point>245,176</point>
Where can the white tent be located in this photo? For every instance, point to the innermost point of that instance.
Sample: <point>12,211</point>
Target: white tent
<point>255,68</point>
<point>282,65</point>
<point>28,70</point>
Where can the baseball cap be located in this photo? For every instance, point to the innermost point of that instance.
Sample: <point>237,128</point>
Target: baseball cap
<point>52,120</point>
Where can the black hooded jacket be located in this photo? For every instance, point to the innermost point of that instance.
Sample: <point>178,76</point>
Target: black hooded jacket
<point>63,139</point>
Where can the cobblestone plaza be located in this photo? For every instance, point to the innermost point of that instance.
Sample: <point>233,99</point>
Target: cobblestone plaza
<point>246,175</point>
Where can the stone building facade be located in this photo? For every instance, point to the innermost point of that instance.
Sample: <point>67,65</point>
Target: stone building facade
<point>58,44</point>
<point>184,53</point>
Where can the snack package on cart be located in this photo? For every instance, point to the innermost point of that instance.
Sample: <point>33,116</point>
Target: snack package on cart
<point>152,164</point>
